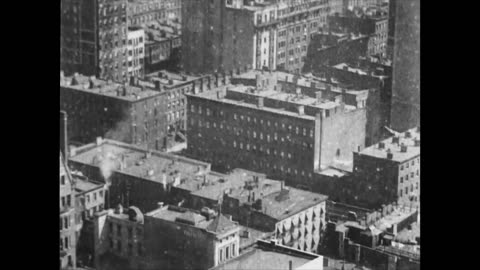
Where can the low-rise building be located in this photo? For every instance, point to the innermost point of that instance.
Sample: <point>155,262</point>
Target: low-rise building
<point>99,108</point>
<point>389,171</point>
<point>168,237</point>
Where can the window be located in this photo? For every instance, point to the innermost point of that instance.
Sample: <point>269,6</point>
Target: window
<point>62,179</point>
<point>401,168</point>
<point>418,172</point>
<point>221,254</point>
<point>401,180</point>
<point>119,230</point>
<point>412,175</point>
<point>69,200</point>
<point>401,193</point>
<point>63,201</point>
<point>233,250</point>
<point>95,196</point>
<point>119,246</point>
<point>406,190</point>
<point>406,177</point>
<point>226,253</point>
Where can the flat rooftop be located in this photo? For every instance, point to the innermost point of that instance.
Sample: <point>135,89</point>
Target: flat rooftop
<point>253,236</point>
<point>380,150</point>
<point>105,88</point>
<point>170,79</point>
<point>218,224</point>
<point>128,159</point>
<point>263,259</point>
<point>396,216</point>
<point>85,185</point>
<point>377,72</point>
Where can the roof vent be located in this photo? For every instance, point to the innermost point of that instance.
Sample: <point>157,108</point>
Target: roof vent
<point>389,154</point>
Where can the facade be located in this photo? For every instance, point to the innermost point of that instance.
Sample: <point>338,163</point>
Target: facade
<point>364,74</point>
<point>280,131</point>
<point>296,217</point>
<point>145,12</point>
<point>89,199</point>
<point>162,48</point>
<point>68,255</point>
<point>93,38</point>
<point>176,86</point>
<point>226,35</point>
<point>375,26</point>
<point>389,171</point>
<point>406,66</point>
<point>102,108</point>
<point>168,237</point>
<point>136,52</point>
<point>332,48</point>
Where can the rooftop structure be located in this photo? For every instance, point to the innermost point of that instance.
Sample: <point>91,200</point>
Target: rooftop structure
<point>402,147</point>
<point>106,88</point>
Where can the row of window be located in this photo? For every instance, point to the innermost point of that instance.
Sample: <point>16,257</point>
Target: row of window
<point>409,162</point>
<point>412,175</point>
<point>407,188</point>
<point>64,223</point>
<point>130,249</point>
<point>94,195</point>
<point>66,201</point>
<point>65,242</point>
<point>227,252</point>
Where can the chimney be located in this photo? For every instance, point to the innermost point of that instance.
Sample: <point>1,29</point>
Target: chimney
<point>260,102</point>
<point>91,82</point>
<point>124,91</point>
<point>408,134</point>
<point>160,204</point>
<point>148,154</point>
<point>282,185</point>
<point>119,209</point>
<point>403,148</point>
<point>220,94</point>
<point>381,145</point>
<point>395,139</point>
<point>246,234</point>
<point>417,142</point>
<point>150,172</point>
<point>298,91</point>
<point>133,81</point>
<point>99,141</point>
<point>301,110</point>
<point>170,82</point>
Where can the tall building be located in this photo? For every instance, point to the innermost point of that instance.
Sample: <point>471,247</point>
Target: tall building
<point>93,38</point>
<point>68,254</point>
<point>388,171</point>
<point>99,108</point>
<point>406,66</point>
<point>374,25</point>
<point>226,35</point>
<point>136,52</point>
<point>290,133</point>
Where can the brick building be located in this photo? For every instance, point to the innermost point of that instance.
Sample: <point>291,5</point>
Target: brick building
<point>136,176</point>
<point>102,108</point>
<point>364,74</point>
<point>296,217</point>
<point>332,48</point>
<point>136,52</point>
<point>168,237</point>
<point>374,25</point>
<point>388,171</point>
<point>142,12</point>
<point>162,47</point>
<point>68,256</point>
<point>93,38</point>
<point>225,35</point>
<point>284,132</point>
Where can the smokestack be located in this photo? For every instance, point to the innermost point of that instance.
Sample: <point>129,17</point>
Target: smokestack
<point>260,102</point>
<point>301,110</point>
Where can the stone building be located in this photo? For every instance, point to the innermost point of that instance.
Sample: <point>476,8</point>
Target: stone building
<point>136,52</point>
<point>68,255</point>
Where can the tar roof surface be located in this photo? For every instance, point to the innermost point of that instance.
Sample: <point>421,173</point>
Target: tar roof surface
<point>113,89</point>
<point>395,148</point>
<point>263,259</point>
<point>136,162</point>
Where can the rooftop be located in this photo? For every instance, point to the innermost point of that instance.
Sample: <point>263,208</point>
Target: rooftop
<point>259,258</point>
<point>83,184</point>
<point>170,79</point>
<point>362,70</point>
<point>402,147</point>
<point>106,88</point>
<point>124,158</point>
<point>218,224</point>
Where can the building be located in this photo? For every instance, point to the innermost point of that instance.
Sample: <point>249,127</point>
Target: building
<point>169,237</point>
<point>136,52</point>
<point>389,171</point>
<point>68,255</point>
<point>296,217</point>
<point>227,35</point>
<point>374,24</point>
<point>89,199</point>
<point>336,7</point>
<point>93,38</point>
<point>269,255</point>
<point>289,133</point>
<point>63,134</point>
<point>332,48</point>
<point>102,108</point>
<point>406,66</point>
<point>162,47</point>
<point>364,74</point>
